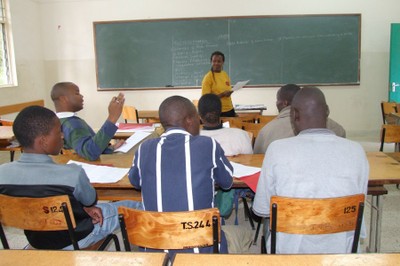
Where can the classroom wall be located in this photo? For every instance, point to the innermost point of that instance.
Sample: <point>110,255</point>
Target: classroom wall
<point>28,48</point>
<point>65,33</point>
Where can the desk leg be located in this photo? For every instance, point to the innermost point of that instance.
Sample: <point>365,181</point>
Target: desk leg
<point>375,225</point>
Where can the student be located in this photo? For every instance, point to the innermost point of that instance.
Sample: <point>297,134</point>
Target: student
<point>233,141</point>
<point>38,130</point>
<point>314,164</point>
<point>217,81</point>
<point>179,170</point>
<point>78,135</point>
<point>280,127</point>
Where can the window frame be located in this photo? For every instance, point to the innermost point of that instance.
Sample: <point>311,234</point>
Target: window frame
<point>5,20</point>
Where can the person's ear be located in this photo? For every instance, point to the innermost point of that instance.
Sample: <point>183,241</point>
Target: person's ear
<point>295,114</point>
<point>327,111</point>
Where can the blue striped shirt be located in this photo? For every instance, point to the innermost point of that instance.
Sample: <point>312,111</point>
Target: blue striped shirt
<point>178,172</point>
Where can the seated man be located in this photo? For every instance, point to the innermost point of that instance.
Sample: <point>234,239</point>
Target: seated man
<point>234,141</point>
<point>78,135</point>
<point>280,127</point>
<point>314,164</point>
<point>179,170</point>
<point>38,130</point>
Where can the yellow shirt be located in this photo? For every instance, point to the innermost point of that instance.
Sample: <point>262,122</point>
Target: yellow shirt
<point>217,84</point>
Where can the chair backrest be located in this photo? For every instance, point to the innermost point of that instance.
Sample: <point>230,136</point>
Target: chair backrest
<point>265,119</point>
<point>390,134</point>
<point>170,230</point>
<point>252,127</point>
<point>387,108</point>
<point>309,216</point>
<point>130,113</point>
<point>36,214</point>
<point>237,121</point>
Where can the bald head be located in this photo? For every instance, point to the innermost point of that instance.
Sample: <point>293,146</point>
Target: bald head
<point>285,95</point>
<point>177,111</point>
<point>308,109</point>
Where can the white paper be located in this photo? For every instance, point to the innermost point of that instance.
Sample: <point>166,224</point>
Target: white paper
<point>132,141</point>
<point>240,170</point>
<point>239,85</point>
<point>102,174</point>
<point>250,106</point>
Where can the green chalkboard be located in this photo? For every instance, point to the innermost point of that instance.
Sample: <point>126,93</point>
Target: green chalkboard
<point>269,51</point>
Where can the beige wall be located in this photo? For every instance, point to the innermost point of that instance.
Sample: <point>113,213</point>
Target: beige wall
<point>28,53</point>
<point>63,30</point>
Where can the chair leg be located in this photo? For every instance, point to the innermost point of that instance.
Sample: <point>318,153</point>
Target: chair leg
<point>108,240</point>
<point>12,156</point>
<point>257,232</point>
<point>3,238</point>
<point>247,212</point>
<point>263,246</point>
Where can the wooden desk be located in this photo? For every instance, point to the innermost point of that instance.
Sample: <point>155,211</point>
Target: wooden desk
<point>279,260</point>
<point>383,170</point>
<point>6,133</point>
<point>6,138</point>
<point>245,109</point>
<point>84,258</point>
<point>395,117</point>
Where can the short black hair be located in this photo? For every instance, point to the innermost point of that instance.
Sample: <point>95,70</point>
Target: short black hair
<point>31,122</point>
<point>288,91</point>
<point>210,108</point>
<point>218,53</point>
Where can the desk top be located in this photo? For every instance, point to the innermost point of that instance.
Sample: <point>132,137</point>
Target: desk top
<point>383,168</point>
<point>278,260</point>
<point>87,258</point>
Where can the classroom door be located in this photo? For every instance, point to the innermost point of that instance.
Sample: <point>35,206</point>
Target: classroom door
<point>394,70</point>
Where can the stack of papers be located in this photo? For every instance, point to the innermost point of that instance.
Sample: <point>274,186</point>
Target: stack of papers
<point>250,107</point>
<point>240,170</point>
<point>102,174</point>
<point>132,141</point>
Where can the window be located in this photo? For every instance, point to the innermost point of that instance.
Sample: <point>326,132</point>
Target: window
<point>7,63</point>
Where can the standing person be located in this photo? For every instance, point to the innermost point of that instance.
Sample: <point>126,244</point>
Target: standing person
<point>217,81</point>
<point>78,135</point>
<point>179,170</point>
<point>35,174</point>
<point>234,141</point>
<point>281,127</point>
<point>314,164</point>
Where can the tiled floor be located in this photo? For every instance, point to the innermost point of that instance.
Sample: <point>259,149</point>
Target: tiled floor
<point>391,213</point>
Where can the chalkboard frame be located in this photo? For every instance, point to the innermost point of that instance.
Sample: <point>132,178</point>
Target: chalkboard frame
<point>133,87</point>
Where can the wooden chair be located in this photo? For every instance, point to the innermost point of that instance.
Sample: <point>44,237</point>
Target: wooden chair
<point>170,230</point>
<point>237,121</point>
<point>252,127</point>
<point>130,113</point>
<point>390,134</point>
<point>264,119</point>
<point>43,214</point>
<point>315,216</point>
<point>388,108</point>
